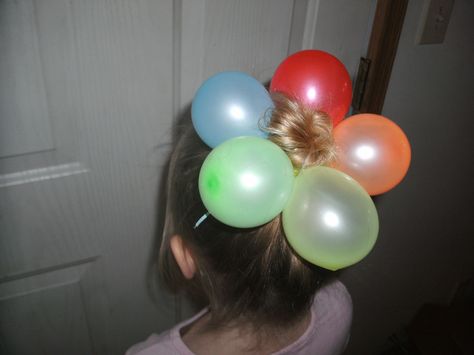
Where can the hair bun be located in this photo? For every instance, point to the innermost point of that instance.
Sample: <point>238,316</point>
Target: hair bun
<point>303,133</point>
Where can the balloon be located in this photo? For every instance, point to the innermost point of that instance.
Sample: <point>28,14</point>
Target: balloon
<point>246,181</point>
<point>228,105</point>
<point>317,79</point>
<point>329,219</point>
<point>373,150</point>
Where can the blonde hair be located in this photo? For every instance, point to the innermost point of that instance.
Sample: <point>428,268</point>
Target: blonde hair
<point>303,133</point>
<point>244,273</point>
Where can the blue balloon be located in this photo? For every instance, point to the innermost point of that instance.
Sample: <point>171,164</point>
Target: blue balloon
<point>228,105</point>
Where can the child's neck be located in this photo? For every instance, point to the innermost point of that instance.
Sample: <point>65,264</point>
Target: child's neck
<point>240,340</point>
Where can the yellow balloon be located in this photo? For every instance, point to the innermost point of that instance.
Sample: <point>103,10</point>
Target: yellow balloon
<point>330,220</point>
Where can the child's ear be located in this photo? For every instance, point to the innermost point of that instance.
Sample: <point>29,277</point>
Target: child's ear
<point>182,255</point>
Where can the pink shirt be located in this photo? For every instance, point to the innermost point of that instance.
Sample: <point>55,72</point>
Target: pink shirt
<point>327,334</point>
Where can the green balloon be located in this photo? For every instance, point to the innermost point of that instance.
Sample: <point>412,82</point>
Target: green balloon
<point>330,220</point>
<point>246,181</point>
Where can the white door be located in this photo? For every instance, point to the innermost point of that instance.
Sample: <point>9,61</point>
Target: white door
<point>89,90</point>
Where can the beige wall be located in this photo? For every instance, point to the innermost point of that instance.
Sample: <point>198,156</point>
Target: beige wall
<point>426,241</point>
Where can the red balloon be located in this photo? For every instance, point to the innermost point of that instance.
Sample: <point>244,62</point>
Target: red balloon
<point>317,79</point>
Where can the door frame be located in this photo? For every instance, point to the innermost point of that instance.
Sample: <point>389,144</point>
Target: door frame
<point>376,68</point>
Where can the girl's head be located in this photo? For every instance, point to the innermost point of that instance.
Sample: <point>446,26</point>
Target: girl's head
<point>245,274</point>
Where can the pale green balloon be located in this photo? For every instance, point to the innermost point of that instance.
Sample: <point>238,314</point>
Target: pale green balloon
<point>330,220</point>
<point>246,181</point>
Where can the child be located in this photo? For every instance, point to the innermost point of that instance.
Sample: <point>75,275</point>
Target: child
<point>263,298</point>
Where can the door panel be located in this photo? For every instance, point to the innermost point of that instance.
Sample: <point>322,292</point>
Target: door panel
<point>245,35</point>
<point>23,103</point>
<point>30,331</point>
<point>77,214</point>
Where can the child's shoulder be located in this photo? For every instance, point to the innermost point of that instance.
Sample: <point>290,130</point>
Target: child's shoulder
<point>333,294</point>
<point>150,344</point>
<point>161,344</point>
<point>331,321</point>
<point>166,343</point>
<point>332,305</point>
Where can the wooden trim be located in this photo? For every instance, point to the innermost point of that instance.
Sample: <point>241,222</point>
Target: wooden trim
<point>386,29</point>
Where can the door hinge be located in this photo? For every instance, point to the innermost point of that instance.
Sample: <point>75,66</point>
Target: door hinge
<point>360,84</point>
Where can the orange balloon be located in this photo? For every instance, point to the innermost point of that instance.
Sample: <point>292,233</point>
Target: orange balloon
<point>373,150</point>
